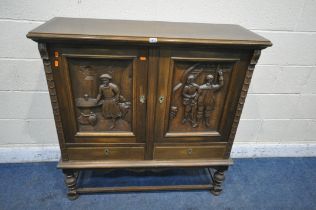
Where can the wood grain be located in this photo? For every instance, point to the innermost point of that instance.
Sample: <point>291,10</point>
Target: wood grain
<point>106,153</point>
<point>146,94</point>
<point>140,31</point>
<point>189,152</point>
<point>143,164</point>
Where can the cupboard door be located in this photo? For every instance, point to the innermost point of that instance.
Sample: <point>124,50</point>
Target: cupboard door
<point>198,92</point>
<point>102,92</point>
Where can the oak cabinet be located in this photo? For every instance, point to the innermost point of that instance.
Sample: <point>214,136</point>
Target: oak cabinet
<point>137,94</point>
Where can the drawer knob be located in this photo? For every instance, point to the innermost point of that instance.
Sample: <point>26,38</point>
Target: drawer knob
<point>189,151</point>
<point>106,152</point>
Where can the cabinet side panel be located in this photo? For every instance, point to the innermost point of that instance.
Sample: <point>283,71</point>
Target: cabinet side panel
<point>53,97</point>
<point>241,101</point>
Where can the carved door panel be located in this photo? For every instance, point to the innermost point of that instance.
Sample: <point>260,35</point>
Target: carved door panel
<point>104,94</point>
<point>198,92</point>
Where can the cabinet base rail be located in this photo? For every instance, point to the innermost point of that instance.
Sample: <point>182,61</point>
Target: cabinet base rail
<point>142,188</point>
<point>215,185</point>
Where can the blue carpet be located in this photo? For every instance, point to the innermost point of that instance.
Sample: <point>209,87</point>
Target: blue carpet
<point>267,183</point>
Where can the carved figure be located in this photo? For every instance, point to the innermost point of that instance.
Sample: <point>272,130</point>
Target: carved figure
<point>194,72</point>
<point>206,101</point>
<point>190,95</point>
<point>112,104</point>
<point>198,100</point>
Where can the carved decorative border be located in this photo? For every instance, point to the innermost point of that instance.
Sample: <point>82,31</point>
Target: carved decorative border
<point>42,47</point>
<point>241,101</point>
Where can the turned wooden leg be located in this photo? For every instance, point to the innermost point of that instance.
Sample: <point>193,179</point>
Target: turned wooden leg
<point>71,181</point>
<point>218,179</point>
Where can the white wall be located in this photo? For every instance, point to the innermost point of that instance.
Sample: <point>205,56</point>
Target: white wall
<point>281,106</point>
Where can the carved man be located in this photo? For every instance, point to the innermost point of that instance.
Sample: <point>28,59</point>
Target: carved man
<point>110,93</point>
<point>190,94</point>
<point>206,101</point>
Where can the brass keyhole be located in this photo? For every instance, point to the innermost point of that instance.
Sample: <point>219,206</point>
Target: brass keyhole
<point>107,152</point>
<point>189,151</point>
<point>161,99</point>
<point>142,99</point>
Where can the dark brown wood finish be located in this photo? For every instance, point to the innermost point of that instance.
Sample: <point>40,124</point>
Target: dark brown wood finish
<point>137,94</point>
<point>77,165</point>
<point>106,153</point>
<point>176,66</point>
<point>140,31</point>
<point>81,75</point>
<point>189,152</point>
<point>51,83</point>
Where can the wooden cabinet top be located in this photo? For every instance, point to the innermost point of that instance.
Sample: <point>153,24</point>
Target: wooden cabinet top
<point>146,32</point>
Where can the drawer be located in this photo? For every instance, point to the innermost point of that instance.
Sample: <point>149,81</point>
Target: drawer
<point>106,153</point>
<point>189,152</point>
